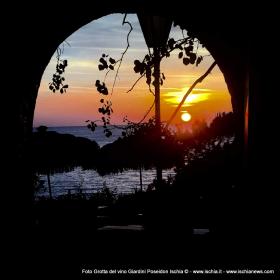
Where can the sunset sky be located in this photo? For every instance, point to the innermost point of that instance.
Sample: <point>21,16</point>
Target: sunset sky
<point>107,35</point>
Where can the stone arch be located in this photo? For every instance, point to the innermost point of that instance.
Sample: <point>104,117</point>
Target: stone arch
<point>31,36</point>
<point>231,59</point>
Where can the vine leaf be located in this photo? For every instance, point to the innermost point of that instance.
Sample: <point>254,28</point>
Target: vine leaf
<point>186,60</point>
<point>57,79</point>
<point>192,58</point>
<point>112,60</point>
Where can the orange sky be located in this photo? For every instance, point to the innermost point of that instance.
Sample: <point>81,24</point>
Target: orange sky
<point>107,35</point>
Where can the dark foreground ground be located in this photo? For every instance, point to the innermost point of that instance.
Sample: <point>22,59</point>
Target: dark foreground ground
<point>62,247</point>
<point>67,253</point>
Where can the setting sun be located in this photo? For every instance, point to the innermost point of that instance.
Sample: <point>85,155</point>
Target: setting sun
<point>186,117</point>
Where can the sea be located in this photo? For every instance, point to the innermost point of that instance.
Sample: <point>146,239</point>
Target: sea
<point>89,182</point>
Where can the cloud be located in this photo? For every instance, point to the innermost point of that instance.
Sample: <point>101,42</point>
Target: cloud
<point>108,35</point>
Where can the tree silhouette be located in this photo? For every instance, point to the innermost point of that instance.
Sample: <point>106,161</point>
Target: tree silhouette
<point>139,148</point>
<point>53,152</point>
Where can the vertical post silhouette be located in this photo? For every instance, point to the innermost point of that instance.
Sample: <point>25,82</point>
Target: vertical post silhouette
<point>49,184</point>
<point>156,30</point>
<point>157,108</point>
<point>141,182</point>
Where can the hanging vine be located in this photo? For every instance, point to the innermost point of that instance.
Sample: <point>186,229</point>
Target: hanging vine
<point>188,48</point>
<point>108,63</point>
<point>57,83</point>
<point>188,53</point>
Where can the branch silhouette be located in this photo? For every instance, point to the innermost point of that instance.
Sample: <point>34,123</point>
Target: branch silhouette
<point>127,46</point>
<point>136,82</point>
<point>147,113</point>
<point>199,80</point>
